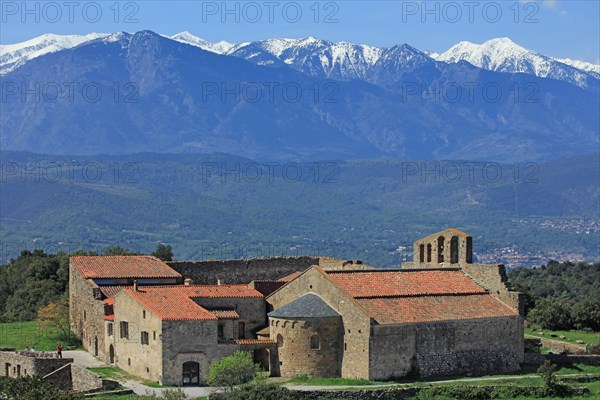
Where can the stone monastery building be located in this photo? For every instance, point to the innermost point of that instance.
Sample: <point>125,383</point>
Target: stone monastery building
<point>167,322</point>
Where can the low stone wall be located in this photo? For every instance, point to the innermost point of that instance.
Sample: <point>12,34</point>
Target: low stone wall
<point>22,363</point>
<point>561,347</point>
<point>84,380</point>
<point>61,378</point>
<point>538,359</point>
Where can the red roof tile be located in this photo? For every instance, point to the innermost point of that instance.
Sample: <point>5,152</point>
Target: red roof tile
<point>109,317</point>
<point>122,267</point>
<point>110,301</point>
<point>175,302</point>
<point>402,310</point>
<point>111,291</point>
<point>172,305</point>
<point>381,283</point>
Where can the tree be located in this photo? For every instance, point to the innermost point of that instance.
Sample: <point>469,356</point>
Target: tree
<point>163,252</point>
<point>56,315</point>
<point>118,251</point>
<point>547,370</point>
<point>233,370</point>
<point>551,313</point>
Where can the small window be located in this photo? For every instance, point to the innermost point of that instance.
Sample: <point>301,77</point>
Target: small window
<point>109,329</point>
<point>154,335</point>
<point>84,315</point>
<point>129,362</point>
<point>124,329</point>
<point>315,343</point>
<point>144,337</point>
<point>144,314</point>
<point>221,331</point>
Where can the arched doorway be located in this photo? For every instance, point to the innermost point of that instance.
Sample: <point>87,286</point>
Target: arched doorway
<point>111,354</point>
<point>191,373</point>
<point>96,346</point>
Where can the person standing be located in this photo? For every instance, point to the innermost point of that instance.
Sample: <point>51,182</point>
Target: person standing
<point>59,350</point>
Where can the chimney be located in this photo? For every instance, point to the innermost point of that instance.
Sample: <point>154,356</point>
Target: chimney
<point>188,282</point>
<point>219,281</point>
<point>135,285</point>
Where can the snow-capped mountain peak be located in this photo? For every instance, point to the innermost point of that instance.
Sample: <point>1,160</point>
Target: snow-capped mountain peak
<point>14,55</point>
<point>504,55</point>
<point>339,60</point>
<point>221,47</point>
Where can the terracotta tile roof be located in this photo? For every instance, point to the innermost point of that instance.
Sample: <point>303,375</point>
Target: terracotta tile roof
<point>401,310</point>
<point>111,291</point>
<point>122,267</point>
<point>109,317</point>
<point>171,305</point>
<point>382,283</point>
<point>110,301</point>
<point>225,314</point>
<point>175,302</point>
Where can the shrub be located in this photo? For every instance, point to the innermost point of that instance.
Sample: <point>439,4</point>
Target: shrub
<point>233,370</point>
<point>32,388</point>
<point>455,392</point>
<point>258,391</point>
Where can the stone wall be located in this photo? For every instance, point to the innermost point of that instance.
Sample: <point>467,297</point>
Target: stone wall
<point>190,341</point>
<point>252,312</point>
<point>61,378</point>
<point>143,360</point>
<point>447,248</point>
<point>490,345</point>
<point>241,271</point>
<point>478,347</point>
<point>392,351</point>
<point>493,277</point>
<point>245,271</point>
<point>86,312</point>
<point>84,380</point>
<point>562,347</point>
<point>356,324</point>
<point>297,356</point>
<point>13,363</point>
<point>538,359</point>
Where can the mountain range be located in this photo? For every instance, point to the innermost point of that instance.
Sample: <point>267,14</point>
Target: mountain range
<point>178,94</point>
<point>337,60</point>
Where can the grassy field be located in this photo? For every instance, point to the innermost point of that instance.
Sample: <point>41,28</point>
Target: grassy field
<point>24,335</point>
<point>571,336</point>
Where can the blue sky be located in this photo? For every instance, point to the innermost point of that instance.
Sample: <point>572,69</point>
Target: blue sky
<point>560,28</point>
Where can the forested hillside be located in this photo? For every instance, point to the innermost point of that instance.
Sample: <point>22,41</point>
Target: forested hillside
<point>561,295</point>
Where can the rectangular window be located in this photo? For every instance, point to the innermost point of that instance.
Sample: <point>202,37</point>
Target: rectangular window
<point>154,335</point>
<point>110,329</point>
<point>221,331</point>
<point>124,329</point>
<point>144,337</point>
